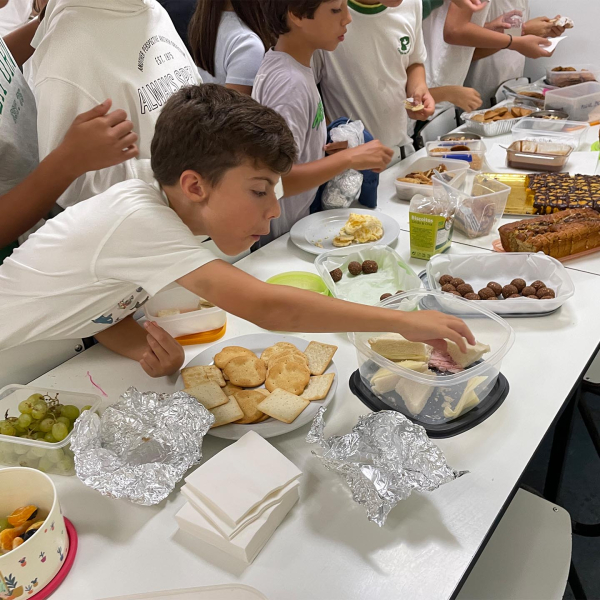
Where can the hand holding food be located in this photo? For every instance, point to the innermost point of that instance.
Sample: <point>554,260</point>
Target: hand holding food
<point>371,155</point>
<point>164,355</point>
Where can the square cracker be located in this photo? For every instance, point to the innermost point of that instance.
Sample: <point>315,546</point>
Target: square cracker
<point>193,376</point>
<point>282,405</point>
<point>319,356</point>
<point>318,387</point>
<point>248,400</point>
<point>209,394</point>
<point>227,413</point>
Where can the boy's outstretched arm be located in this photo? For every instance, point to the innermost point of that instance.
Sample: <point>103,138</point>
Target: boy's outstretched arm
<point>96,140</point>
<point>282,308</point>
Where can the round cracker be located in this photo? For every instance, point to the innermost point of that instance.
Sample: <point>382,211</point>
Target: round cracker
<point>246,371</point>
<point>291,358</point>
<point>268,352</point>
<point>292,377</point>
<point>223,357</point>
<point>284,354</point>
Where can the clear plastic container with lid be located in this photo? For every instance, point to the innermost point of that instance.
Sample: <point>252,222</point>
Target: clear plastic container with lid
<point>581,101</point>
<point>571,133</point>
<point>470,151</point>
<point>578,74</point>
<point>427,393</point>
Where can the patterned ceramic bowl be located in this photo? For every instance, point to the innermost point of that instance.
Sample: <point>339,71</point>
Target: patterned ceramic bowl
<point>28,568</point>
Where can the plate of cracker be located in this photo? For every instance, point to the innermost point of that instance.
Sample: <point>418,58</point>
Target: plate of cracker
<point>270,383</point>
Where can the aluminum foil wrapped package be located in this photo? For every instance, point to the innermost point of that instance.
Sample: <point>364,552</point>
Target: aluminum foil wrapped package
<point>384,459</point>
<point>141,446</point>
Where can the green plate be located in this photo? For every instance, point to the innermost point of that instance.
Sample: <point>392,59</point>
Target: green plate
<point>302,280</point>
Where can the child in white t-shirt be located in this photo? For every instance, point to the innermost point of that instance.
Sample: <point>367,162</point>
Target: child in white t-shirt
<point>228,44</point>
<point>217,156</point>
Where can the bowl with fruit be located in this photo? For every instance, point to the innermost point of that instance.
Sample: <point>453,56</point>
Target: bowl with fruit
<point>34,541</point>
<point>36,425</point>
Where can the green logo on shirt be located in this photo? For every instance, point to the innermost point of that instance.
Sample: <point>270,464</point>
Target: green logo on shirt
<point>320,116</point>
<point>405,45</point>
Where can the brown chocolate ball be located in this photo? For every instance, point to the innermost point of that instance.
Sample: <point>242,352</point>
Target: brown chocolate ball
<point>495,287</point>
<point>464,289</point>
<point>509,290</point>
<point>369,266</point>
<point>545,292</point>
<point>514,296</point>
<point>547,298</point>
<point>538,284</point>
<point>529,290</point>
<point>355,268</point>
<point>448,288</point>
<point>336,275</point>
<point>444,279</point>
<point>384,296</point>
<point>472,296</point>
<point>457,281</point>
<point>519,284</point>
<point>532,297</point>
<point>492,298</point>
<point>456,294</point>
<point>486,293</point>
<point>399,292</point>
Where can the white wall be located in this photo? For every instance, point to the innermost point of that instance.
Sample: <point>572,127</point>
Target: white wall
<point>583,43</point>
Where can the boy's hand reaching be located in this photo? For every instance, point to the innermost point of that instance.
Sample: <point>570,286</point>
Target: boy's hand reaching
<point>372,155</point>
<point>542,27</point>
<point>422,96</point>
<point>531,46</point>
<point>164,355</point>
<point>98,139</point>
<point>464,98</point>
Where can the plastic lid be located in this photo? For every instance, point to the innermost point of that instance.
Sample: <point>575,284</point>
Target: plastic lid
<point>302,280</point>
<point>204,337</point>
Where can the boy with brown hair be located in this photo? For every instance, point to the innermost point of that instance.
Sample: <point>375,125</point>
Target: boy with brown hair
<point>217,156</point>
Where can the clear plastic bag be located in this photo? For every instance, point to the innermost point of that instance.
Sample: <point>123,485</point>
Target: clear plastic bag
<point>344,189</point>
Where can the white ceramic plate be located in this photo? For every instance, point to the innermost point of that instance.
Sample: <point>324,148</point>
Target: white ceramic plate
<point>271,427</point>
<point>322,227</point>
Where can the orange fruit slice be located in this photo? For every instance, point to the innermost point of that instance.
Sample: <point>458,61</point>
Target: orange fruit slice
<point>21,515</point>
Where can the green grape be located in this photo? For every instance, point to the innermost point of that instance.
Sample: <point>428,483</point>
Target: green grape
<point>20,430</point>
<point>55,455</point>
<point>39,410</point>
<point>24,420</point>
<point>46,424</point>
<point>38,452</point>
<point>48,437</point>
<point>38,435</point>
<point>20,449</point>
<point>65,465</point>
<point>60,431</point>
<point>69,411</point>
<point>86,407</point>
<point>27,461</point>
<point>45,464</point>
<point>26,407</point>
<point>7,428</point>
<point>64,421</point>
<point>35,426</point>
<point>4,524</point>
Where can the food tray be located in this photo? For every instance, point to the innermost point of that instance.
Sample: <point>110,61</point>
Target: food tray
<point>486,408</point>
<point>517,204</point>
<point>474,155</point>
<point>536,161</point>
<point>494,128</point>
<point>528,101</point>
<point>581,74</point>
<point>406,191</point>
<point>571,133</point>
<point>497,245</point>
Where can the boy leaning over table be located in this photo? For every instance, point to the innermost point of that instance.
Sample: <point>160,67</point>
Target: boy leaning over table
<point>217,157</point>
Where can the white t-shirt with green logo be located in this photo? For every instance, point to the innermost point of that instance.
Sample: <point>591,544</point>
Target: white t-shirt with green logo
<point>365,77</point>
<point>288,87</point>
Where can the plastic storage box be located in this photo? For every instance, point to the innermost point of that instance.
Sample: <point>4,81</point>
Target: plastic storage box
<point>581,101</point>
<point>472,152</point>
<point>19,452</point>
<point>548,157</point>
<point>435,399</point>
<point>581,74</point>
<point>406,191</point>
<point>200,326</point>
<point>571,133</point>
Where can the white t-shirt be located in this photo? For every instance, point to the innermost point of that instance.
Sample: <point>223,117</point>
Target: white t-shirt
<point>447,64</point>
<point>486,75</point>
<point>288,87</point>
<point>95,264</point>
<point>90,50</point>
<point>14,14</point>
<point>365,77</point>
<point>238,53</point>
<point>18,129</point>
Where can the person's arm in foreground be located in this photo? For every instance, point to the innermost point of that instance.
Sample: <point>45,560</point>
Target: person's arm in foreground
<point>416,88</point>
<point>95,140</point>
<point>19,41</point>
<point>464,98</point>
<point>459,31</point>
<point>472,5</point>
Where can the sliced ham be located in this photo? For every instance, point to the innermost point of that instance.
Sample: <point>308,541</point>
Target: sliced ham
<point>443,362</point>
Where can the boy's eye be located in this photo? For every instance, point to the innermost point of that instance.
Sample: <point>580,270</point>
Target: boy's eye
<point>336,11</point>
<point>259,193</point>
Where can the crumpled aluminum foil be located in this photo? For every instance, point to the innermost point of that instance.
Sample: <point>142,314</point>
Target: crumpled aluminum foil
<point>141,446</point>
<point>384,459</point>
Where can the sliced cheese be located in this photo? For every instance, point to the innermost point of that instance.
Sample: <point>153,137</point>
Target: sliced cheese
<point>473,354</point>
<point>394,347</point>
<point>468,400</point>
<point>414,394</point>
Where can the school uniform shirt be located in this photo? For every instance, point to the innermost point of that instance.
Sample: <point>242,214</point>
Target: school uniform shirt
<point>288,87</point>
<point>90,50</point>
<point>488,74</point>
<point>238,53</point>
<point>14,14</point>
<point>365,77</point>
<point>447,64</point>
<point>95,264</point>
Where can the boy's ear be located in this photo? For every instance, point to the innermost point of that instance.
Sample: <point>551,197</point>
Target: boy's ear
<point>194,186</point>
<point>293,21</point>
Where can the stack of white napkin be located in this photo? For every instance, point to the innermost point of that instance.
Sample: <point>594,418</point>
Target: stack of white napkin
<point>237,499</point>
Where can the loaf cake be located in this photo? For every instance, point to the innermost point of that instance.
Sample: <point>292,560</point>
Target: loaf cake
<point>558,235</point>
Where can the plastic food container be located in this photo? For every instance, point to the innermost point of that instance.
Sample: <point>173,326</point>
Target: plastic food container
<point>33,565</point>
<point>516,158</point>
<point>459,136</point>
<point>200,326</point>
<point>581,74</point>
<point>392,275</point>
<point>571,133</point>
<point>493,128</point>
<point>54,458</point>
<point>214,592</point>
<point>472,152</point>
<point>406,191</point>
<point>479,269</point>
<point>302,280</point>
<point>522,99</point>
<point>481,202</point>
<point>434,399</point>
<point>581,101</point>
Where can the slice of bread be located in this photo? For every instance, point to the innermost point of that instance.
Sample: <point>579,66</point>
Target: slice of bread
<point>318,387</point>
<point>227,413</point>
<point>209,394</point>
<point>283,406</point>
<point>319,356</point>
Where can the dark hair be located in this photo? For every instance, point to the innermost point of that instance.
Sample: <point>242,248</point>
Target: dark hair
<point>276,13</point>
<point>203,29</point>
<point>211,129</point>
